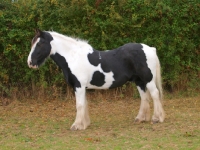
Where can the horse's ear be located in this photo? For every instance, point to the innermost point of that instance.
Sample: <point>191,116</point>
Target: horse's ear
<point>38,32</point>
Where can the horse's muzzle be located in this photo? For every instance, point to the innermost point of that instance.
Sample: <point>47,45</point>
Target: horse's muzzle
<point>31,65</point>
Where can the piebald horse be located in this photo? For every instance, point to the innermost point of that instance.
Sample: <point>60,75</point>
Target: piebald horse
<point>87,68</point>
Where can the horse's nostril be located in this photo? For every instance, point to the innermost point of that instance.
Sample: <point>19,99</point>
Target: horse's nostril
<point>29,63</point>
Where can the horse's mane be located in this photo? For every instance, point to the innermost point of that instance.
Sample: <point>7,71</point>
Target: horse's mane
<point>71,39</point>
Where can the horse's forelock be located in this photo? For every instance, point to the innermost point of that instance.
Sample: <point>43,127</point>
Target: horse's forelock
<point>37,35</point>
<point>34,40</point>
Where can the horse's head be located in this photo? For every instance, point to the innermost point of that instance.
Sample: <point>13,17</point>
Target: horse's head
<point>40,48</point>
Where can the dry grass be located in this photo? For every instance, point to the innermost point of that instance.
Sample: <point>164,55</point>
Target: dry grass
<point>45,125</point>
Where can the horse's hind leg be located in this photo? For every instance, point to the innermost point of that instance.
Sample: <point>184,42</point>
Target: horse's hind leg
<point>159,114</point>
<point>144,111</point>
<point>82,116</point>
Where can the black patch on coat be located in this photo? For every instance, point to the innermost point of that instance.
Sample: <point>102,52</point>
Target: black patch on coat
<point>142,73</point>
<point>62,63</point>
<point>42,49</point>
<point>98,79</point>
<point>94,58</point>
<point>128,63</point>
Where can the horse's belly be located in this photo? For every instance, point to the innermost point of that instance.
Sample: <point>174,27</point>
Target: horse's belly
<point>89,86</point>
<point>101,80</point>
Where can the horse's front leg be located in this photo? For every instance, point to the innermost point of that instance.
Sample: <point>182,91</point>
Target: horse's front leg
<point>82,116</point>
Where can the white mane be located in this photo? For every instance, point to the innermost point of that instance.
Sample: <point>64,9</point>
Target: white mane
<point>71,39</point>
<point>72,45</point>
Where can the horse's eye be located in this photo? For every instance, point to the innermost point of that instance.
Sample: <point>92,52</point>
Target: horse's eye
<point>39,44</point>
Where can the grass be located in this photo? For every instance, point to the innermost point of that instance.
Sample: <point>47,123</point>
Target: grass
<point>45,125</point>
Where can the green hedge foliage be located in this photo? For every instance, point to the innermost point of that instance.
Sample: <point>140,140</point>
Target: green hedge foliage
<point>173,27</point>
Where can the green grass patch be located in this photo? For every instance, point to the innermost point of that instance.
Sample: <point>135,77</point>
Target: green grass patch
<point>45,125</point>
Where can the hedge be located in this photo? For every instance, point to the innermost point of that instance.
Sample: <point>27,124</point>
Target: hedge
<point>173,27</point>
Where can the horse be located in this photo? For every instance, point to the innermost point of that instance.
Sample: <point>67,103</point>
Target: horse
<point>87,68</point>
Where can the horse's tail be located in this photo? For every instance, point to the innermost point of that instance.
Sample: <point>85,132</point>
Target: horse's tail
<point>159,80</point>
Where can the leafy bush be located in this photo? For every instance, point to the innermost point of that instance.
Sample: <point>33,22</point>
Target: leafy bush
<point>173,28</point>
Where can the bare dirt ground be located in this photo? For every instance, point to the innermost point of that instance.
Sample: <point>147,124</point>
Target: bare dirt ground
<point>45,125</point>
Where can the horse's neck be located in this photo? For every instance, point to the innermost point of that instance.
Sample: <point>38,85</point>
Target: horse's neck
<point>69,48</point>
<point>61,46</point>
<point>61,50</point>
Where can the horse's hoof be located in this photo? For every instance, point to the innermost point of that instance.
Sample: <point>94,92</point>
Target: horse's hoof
<point>73,128</point>
<point>154,121</point>
<point>137,121</point>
